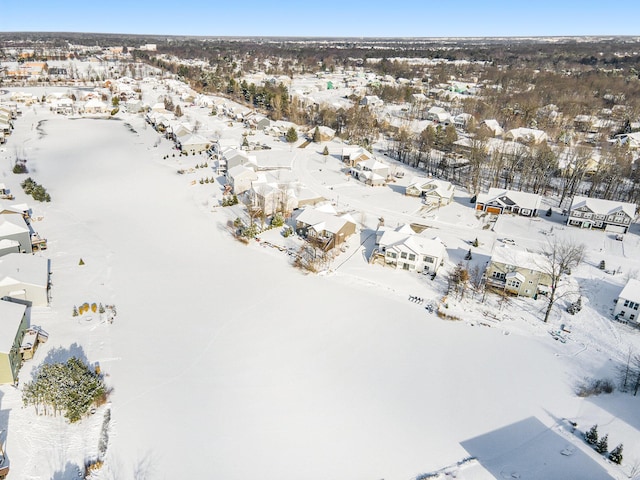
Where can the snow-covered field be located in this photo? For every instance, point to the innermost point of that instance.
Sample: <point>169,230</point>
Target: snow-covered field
<point>226,362</point>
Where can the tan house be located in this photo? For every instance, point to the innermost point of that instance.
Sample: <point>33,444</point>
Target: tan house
<point>433,190</point>
<point>13,325</point>
<point>323,225</point>
<point>518,271</point>
<point>354,155</point>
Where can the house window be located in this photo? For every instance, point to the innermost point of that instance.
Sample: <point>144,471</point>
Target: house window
<point>632,316</point>
<point>621,313</point>
<point>626,303</point>
<point>412,256</point>
<point>635,306</point>
<point>403,255</point>
<point>530,282</point>
<point>587,215</point>
<point>514,283</point>
<point>498,275</point>
<point>576,214</point>
<point>429,259</point>
<point>391,254</point>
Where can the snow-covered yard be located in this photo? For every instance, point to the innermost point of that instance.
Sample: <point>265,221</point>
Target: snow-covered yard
<point>227,362</point>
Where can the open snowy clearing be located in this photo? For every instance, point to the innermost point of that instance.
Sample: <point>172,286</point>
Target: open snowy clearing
<point>226,362</point>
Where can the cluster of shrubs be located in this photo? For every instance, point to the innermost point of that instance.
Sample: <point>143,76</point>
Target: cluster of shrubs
<point>207,180</point>
<point>38,192</point>
<point>229,200</point>
<point>69,388</point>
<point>204,165</point>
<point>601,445</point>
<point>20,166</point>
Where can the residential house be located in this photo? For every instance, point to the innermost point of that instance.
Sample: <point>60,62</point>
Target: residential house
<point>371,101</point>
<point>462,120</point>
<point>631,140</point>
<point>9,246</point>
<point>627,303</point>
<point>325,134</point>
<point>491,128</point>
<point>353,155</point>
<point>405,249</point>
<point>371,172</point>
<point>323,225</point>
<point>498,201</point>
<point>439,115</point>
<point>25,277</point>
<point>528,136</point>
<point>273,195</point>
<point>433,190</point>
<point>193,144</point>
<point>608,215</point>
<point>62,106</point>
<point>240,178</point>
<point>256,121</point>
<point>14,227</point>
<point>95,106</point>
<point>518,271</point>
<point>13,325</point>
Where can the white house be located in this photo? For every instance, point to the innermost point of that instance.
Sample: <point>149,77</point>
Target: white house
<point>403,248</point>
<point>272,195</point>
<point>526,135</point>
<point>14,227</point>
<point>371,172</point>
<point>94,106</point>
<point>439,114</point>
<point>240,178</point>
<point>353,155</point>
<point>626,309</point>
<point>25,277</point>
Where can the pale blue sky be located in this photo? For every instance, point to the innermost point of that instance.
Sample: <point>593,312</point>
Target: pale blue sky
<point>359,18</point>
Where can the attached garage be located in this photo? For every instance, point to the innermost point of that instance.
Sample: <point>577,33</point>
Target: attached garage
<point>494,210</point>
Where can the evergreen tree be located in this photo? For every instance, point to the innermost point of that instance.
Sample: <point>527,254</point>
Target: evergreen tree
<point>468,255</point>
<point>75,311</point>
<point>549,212</point>
<point>325,151</point>
<point>245,142</point>
<point>476,243</point>
<point>292,135</point>
<point>603,444</point>
<point>616,455</point>
<point>316,135</point>
<point>591,437</point>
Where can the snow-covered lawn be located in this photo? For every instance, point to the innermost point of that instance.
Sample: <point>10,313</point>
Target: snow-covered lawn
<point>227,362</point>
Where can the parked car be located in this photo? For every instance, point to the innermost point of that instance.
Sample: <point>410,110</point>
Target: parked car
<point>508,241</point>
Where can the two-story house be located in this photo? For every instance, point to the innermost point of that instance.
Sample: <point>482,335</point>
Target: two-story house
<point>405,249</point>
<point>628,302</point>
<point>518,271</point>
<point>601,214</point>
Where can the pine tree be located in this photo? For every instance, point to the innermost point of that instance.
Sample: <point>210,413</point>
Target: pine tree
<point>591,437</point>
<point>476,243</point>
<point>549,212</point>
<point>316,135</point>
<point>75,311</point>
<point>101,308</point>
<point>81,262</point>
<point>603,444</point>
<point>325,151</point>
<point>292,135</point>
<point>468,255</point>
<point>616,455</point>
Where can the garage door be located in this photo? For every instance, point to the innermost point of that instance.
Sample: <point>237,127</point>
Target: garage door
<point>494,210</point>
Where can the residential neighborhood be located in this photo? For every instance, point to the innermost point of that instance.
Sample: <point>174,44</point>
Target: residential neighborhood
<point>322,234</point>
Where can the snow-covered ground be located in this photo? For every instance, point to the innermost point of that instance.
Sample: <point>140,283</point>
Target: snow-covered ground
<point>227,362</point>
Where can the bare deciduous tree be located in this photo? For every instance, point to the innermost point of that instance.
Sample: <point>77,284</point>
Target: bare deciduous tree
<point>562,257</point>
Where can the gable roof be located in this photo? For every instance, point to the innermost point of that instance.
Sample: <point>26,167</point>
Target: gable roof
<point>23,268</point>
<point>519,257</point>
<point>321,220</point>
<point>10,319</point>
<point>631,290</point>
<point>529,201</point>
<point>404,236</point>
<point>603,207</point>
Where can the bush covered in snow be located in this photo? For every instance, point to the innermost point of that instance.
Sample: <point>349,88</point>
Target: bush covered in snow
<point>69,388</point>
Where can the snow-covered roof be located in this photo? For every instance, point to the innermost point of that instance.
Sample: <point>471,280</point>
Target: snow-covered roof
<point>603,207</point>
<point>631,290</point>
<point>23,268</point>
<point>418,244</point>
<point>519,257</point>
<point>10,318</point>
<point>321,220</point>
<point>12,224</point>
<point>526,200</point>
<point>527,135</point>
